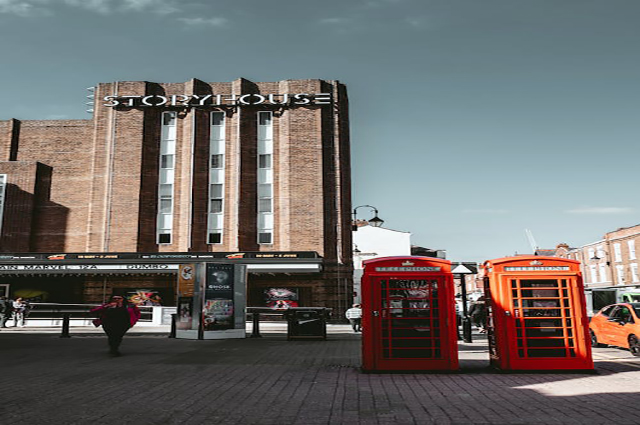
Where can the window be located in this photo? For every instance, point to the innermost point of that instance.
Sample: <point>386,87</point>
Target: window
<point>617,251</point>
<point>591,253</point>
<point>594,275</point>
<point>632,249</point>
<point>215,213</point>
<point>620,273</point>
<point>164,222</point>
<point>602,270</point>
<point>265,177</point>
<point>3,189</point>
<point>634,272</point>
<point>607,310</point>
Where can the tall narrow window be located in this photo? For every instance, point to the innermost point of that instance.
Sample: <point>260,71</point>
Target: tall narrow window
<point>617,252</point>
<point>164,227</point>
<point>603,272</point>
<point>632,249</point>
<point>216,178</point>
<point>3,188</point>
<point>265,178</point>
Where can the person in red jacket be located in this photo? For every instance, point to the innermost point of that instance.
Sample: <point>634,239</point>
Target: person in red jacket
<point>116,318</point>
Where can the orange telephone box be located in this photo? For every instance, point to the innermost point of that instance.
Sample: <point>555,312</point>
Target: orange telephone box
<point>409,319</point>
<point>537,317</point>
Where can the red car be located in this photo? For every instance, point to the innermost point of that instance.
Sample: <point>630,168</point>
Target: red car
<point>619,325</point>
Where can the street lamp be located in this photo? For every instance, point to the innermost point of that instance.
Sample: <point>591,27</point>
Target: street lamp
<point>375,221</point>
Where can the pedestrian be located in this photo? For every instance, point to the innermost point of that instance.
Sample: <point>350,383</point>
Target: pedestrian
<point>6,308</point>
<point>354,315</point>
<point>116,317</point>
<point>478,314</point>
<point>19,309</point>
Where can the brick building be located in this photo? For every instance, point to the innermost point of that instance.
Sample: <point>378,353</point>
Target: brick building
<point>610,266</point>
<point>166,172</point>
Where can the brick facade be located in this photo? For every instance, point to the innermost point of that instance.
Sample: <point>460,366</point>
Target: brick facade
<point>92,185</point>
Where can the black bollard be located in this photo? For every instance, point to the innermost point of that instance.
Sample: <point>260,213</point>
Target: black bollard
<point>65,326</point>
<point>255,333</point>
<point>466,329</point>
<point>172,333</point>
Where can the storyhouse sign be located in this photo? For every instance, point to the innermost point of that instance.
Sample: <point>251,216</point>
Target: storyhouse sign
<point>204,100</point>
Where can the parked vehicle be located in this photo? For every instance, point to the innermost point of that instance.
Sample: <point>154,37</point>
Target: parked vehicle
<point>618,325</point>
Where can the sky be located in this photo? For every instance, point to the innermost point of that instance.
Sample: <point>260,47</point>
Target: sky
<point>471,120</point>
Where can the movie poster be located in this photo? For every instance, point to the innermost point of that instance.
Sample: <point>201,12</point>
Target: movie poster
<point>280,298</point>
<point>218,297</point>
<point>185,313</point>
<point>144,297</point>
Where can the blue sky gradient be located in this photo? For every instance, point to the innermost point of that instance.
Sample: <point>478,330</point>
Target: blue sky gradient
<point>471,120</point>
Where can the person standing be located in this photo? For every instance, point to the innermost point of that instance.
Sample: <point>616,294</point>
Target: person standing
<point>354,315</point>
<point>116,317</point>
<point>478,314</point>
<point>6,307</point>
<point>19,309</point>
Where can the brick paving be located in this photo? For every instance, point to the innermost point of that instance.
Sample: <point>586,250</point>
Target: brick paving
<point>51,380</point>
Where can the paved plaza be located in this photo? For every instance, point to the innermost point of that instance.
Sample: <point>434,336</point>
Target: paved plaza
<point>269,380</point>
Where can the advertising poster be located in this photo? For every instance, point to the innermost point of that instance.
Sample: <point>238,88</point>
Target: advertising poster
<point>218,297</point>
<point>144,297</point>
<point>280,298</point>
<point>185,313</point>
<point>186,280</point>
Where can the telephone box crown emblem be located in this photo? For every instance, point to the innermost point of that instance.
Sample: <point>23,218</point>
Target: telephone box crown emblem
<point>536,263</point>
<point>408,263</point>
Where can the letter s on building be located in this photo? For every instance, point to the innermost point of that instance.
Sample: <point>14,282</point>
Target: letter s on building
<point>111,99</point>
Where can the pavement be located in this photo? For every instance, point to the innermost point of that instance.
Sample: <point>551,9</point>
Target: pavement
<point>269,380</point>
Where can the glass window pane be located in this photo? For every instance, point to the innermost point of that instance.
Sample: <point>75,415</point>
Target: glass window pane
<point>165,221</point>
<point>265,146</point>
<point>264,237</point>
<point>168,147</point>
<point>217,118</point>
<point>264,205</point>
<point>164,238</point>
<point>215,205</point>
<point>217,146</point>
<point>265,175</point>
<point>165,205</point>
<point>264,118</point>
<point>217,175</point>
<point>166,161</point>
<point>166,176</point>
<point>217,161</point>
<point>265,221</point>
<point>169,118</point>
<point>216,191</point>
<point>264,161</point>
<point>265,190</point>
<point>215,221</point>
<point>215,238</point>
<point>165,190</point>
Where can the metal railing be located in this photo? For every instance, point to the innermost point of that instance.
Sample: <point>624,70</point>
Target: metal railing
<point>48,311</point>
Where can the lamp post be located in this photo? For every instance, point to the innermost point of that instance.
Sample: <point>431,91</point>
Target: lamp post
<point>375,221</point>
<point>461,270</point>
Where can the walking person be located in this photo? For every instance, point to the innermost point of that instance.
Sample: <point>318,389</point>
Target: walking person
<point>116,317</point>
<point>19,310</point>
<point>478,314</point>
<point>354,315</point>
<point>6,308</point>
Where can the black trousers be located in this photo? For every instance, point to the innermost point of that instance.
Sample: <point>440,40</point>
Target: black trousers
<point>356,324</point>
<point>115,335</point>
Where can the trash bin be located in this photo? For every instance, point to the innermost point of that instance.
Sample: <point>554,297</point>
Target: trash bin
<point>307,323</point>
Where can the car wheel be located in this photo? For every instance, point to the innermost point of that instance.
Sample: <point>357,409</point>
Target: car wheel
<point>634,345</point>
<point>594,339</point>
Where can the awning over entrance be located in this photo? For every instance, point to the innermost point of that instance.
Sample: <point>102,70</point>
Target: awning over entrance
<point>153,263</point>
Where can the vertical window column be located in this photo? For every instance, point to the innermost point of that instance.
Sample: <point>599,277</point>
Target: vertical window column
<point>265,177</point>
<point>164,227</point>
<point>3,188</point>
<point>216,178</point>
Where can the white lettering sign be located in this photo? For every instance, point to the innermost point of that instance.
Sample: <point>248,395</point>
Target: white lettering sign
<point>408,269</point>
<point>195,100</point>
<point>541,268</point>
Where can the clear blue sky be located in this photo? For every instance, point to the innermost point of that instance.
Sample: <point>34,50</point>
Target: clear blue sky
<point>471,120</point>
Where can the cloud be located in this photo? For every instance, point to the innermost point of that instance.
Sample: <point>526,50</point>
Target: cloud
<point>485,211</point>
<point>162,7</point>
<point>98,6</point>
<point>23,8</point>
<point>204,22</point>
<point>600,210</point>
<point>335,21</point>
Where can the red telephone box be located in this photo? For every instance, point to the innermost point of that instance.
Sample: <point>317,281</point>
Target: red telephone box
<point>409,320</point>
<point>537,314</point>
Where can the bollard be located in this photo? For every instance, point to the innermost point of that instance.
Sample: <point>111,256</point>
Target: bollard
<point>466,329</point>
<point>174,318</point>
<point>65,326</point>
<point>255,333</point>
